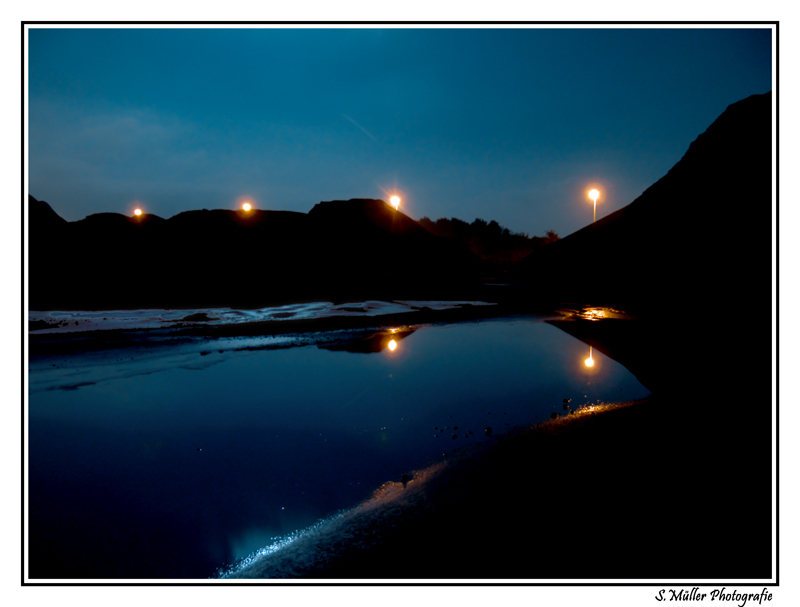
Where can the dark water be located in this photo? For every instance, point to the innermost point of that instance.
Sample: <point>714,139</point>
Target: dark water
<point>173,464</point>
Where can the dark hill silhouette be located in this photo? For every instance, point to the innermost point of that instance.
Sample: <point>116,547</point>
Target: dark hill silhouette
<point>40,213</point>
<point>211,222</point>
<point>498,247</point>
<point>238,258</point>
<point>696,235</point>
<point>377,243</point>
<point>341,249</point>
<point>46,244</point>
<point>96,262</point>
<point>351,216</point>
<point>116,221</point>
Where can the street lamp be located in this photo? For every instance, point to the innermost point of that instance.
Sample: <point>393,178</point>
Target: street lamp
<point>594,195</point>
<point>395,200</point>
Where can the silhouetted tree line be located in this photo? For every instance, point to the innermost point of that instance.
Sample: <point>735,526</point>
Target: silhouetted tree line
<point>488,240</point>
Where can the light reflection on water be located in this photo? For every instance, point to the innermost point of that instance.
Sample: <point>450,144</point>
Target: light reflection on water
<point>594,313</point>
<point>195,466</point>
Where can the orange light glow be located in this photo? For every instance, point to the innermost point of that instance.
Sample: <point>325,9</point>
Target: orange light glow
<point>395,200</point>
<point>246,206</point>
<point>593,314</point>
<point>392,345</point>
<point>137,212</point>
<point>593,196</point>
<point>589,362</point>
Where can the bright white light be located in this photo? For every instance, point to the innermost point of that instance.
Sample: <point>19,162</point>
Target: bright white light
<point>392,345</point>
<point>280,543</point>
<point>395,200</point>
<point>594,195</point>
<point>246,206</point>
<point>137,212</point>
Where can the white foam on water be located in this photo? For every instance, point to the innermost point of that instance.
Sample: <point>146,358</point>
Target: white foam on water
<point>367,308</point>
<point>78,321</point>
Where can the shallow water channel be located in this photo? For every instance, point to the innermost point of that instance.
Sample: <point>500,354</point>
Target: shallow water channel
<point>175,461</point>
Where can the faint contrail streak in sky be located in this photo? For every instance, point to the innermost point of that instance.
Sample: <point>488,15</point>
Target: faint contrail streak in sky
<point>361,127</point>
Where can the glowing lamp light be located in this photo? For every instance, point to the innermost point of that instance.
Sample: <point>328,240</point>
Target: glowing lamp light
<point>137,212</point>
<point>392,345</point>
<point>395,200</point>
<point>246,206</point>
<point>593,196</point>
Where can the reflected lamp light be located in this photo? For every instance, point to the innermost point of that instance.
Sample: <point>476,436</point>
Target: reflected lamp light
<point>589,362</point>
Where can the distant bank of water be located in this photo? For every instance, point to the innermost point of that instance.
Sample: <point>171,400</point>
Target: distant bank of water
<point>105,320</point>
<point>174,461</point>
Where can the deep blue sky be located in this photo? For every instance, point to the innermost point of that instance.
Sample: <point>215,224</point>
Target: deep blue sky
<point>504,124</point>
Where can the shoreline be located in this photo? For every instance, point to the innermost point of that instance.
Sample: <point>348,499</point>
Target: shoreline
<point>338,546</point>
<point>596,495</point>
<point>74,341</point>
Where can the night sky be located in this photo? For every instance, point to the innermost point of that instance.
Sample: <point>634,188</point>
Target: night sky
<point>506,124</point>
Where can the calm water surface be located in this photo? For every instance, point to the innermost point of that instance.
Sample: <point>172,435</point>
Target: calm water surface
<point>169,463</point>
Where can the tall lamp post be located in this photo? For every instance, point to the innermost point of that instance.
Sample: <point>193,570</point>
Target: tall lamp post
<point>594,195</point>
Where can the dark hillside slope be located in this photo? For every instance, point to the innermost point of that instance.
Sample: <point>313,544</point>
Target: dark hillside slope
<point>342,249</point>
<point>42,214</point>
<point>700,234</point>
<point>231,258</point>
<point>46,244</point>
<point>369,240</point>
